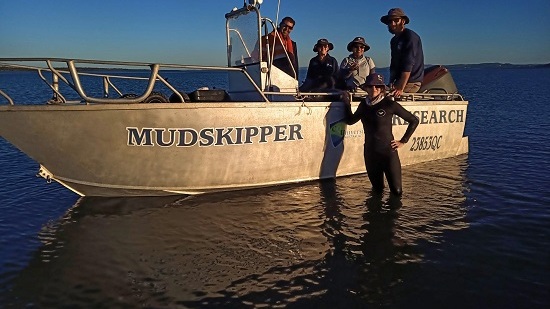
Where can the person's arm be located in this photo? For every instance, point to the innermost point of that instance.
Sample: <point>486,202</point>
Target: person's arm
<point>352,117</point>
<point>399,86</point>
<point>346,68</point>
<point>407,64</point>
<point>411,119</point>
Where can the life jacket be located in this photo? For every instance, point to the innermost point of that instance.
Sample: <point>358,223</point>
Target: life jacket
<point>276,44</point>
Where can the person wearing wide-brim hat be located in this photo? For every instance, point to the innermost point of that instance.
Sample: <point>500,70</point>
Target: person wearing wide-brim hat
<point>376,112</point>
<point>407,56</point>
<point>393,14</point>
<point>358,41</point>
<point>322,71</point>
<point>321,43</point>
<point>355,68</point>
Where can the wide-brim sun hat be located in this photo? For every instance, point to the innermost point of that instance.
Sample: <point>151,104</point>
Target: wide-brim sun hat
<point>358,40</point>
<point>394,13</point>
<point>321,42</point>
<point>374,79</point>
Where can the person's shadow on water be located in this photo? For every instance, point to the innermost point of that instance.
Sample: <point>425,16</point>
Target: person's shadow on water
<point>380,218</point>
<point>379,251</point>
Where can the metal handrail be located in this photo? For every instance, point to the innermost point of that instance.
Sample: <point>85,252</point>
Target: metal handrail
<point>5,95</point>
<point>80,90</point>
<point>242,40</point>
<point>76,85</point>
<point>416,96</point>
<point>57,95</point>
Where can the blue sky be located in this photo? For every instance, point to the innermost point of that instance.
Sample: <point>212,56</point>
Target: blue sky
<point>193,32</point>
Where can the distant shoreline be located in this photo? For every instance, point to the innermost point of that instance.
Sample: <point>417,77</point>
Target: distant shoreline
<point>494,65</point>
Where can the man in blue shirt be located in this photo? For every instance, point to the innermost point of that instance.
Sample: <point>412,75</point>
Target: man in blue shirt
<point>407,57</point>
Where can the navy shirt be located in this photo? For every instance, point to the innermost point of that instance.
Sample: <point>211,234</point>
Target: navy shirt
<point>407,56</point>
<point>325,69</point>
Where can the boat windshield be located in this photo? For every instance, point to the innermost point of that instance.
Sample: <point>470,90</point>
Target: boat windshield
<point>243,32</point>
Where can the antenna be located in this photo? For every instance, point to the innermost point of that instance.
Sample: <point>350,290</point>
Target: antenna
<point>277,16</point>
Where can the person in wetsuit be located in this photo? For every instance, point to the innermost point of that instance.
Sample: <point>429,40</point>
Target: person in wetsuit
<point>376,112</point>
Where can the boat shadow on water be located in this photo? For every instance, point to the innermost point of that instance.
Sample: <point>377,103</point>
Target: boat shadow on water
<point>324,244</point>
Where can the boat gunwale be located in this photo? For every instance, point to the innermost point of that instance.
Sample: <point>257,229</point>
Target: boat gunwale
<point>202,105</point>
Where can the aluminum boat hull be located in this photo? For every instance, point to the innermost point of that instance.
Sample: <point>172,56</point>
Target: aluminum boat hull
<point>193,148</point>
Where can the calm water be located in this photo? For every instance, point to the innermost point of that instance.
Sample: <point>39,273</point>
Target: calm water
<point>469,232</point>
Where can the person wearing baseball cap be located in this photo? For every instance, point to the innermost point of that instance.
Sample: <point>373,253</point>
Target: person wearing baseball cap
<point>376,112</point>
<point>407,57</point>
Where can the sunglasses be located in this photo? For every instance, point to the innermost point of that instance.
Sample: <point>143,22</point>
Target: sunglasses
<point>359,46</point>
<point>287,26</point>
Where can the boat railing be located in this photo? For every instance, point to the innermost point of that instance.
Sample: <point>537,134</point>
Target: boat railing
<point>71,76</point>
<point>7,97</point>
<point>335,95</point>
<point>431,97</point>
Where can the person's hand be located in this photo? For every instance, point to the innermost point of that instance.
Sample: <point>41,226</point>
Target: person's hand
<point>353,66</point>
<point>396,144</point>
<point>346,97</point>
<point>397,92</point>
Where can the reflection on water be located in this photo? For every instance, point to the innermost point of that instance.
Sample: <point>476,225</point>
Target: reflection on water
<point>320,244</point>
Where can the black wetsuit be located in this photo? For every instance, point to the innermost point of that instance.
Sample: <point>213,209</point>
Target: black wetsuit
<point>380,158</point>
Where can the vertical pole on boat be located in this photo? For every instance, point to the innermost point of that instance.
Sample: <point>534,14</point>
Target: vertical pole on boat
<point>105,87</point>
<point>55,85</point>
<point>278,10</point>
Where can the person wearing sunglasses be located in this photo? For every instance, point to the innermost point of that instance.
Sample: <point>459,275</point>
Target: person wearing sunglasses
<point>355,68</point>
<point>407,57</point>
<point>283,49</point>
<point>376,112</point>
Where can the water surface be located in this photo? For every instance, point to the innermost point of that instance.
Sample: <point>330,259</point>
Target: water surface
<point>469,232</point>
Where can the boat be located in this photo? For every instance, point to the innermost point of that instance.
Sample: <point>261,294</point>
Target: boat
<point>96,140</point>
